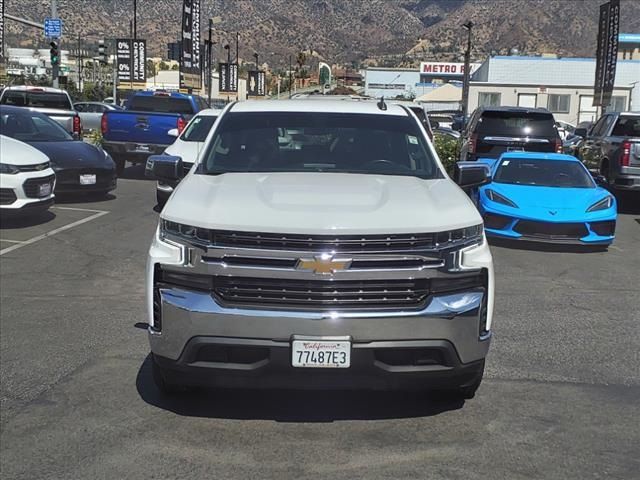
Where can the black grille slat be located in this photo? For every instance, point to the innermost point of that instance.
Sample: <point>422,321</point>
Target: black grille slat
<point>32,185</point>
<point>7,196</point>
<point>322,293</point>
<point>551,230</point>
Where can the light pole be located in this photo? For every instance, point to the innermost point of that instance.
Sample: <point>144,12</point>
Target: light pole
<point>209,61</point>
<point>255,55</point>
<point>467,75</point>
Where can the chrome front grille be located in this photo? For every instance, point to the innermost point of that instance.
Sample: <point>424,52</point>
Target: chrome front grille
<point>321,243</point>
<point>322,294</point>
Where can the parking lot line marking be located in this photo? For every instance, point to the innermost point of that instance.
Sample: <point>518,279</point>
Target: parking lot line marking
<point>53,232</point>
<point>77,209</point>
<point>12,241</point>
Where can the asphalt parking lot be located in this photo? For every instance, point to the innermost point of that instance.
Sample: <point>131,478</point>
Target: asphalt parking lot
<point>559,399</point>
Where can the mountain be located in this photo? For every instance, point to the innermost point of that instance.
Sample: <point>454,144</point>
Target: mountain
<point>383,31</point>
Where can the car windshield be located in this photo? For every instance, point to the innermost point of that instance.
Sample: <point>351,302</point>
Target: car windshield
<point>198,128</point>
<point>58,101</point>
<point>319,142</point>
<point>517,123</point>
<point>543,173</point>
<point>29,126</point>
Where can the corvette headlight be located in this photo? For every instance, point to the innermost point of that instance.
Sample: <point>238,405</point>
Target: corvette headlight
<point>603,204</point>
<point>496,197</point>
<point>8,169</point>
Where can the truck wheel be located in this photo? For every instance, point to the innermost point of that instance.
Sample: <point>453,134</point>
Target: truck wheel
<point>161,199</point>
<point>120,164</point>
<point>160,378</point>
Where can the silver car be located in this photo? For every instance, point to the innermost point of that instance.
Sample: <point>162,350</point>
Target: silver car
<point>91,113</point>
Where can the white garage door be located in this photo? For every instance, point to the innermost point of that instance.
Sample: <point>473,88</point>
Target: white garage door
<point>587,112</point>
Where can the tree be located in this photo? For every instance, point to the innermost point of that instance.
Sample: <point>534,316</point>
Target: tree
<point>151,68</point>
<point>163,66</point>
<point>175,66</point>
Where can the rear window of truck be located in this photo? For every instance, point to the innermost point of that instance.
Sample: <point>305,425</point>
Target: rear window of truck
<point>58,101</point>
<point>537,124</point>
<point>161,105</point>
<point>627,126</point>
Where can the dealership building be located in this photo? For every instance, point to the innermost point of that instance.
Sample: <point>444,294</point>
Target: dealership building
<point>562,85</point>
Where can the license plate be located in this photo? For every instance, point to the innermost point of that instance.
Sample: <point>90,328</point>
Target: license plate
<point>44,190</point>
<point>320,354</point>
<point>143,148</point>
<point>88,179</point>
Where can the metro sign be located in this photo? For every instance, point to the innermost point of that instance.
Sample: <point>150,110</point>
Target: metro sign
<point>444,68</point>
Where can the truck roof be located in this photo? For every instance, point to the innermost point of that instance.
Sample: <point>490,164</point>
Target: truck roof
<point>318,106</point>
<point>34,88</point>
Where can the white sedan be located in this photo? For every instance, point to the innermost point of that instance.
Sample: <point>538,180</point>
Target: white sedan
<point>188,146</point>
<point>26,178</point>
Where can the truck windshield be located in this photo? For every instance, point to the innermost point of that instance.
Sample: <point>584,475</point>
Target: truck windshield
<point>627,126</point>
<point>543,173</point>
<point>517,123</point>
<point>58,101</point>
<point>319,142</point>
<point>198,129</point>
<point>161,104</point>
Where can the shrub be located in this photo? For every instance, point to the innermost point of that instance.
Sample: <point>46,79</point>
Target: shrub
<point>95,138</point>
<point>448,150</point>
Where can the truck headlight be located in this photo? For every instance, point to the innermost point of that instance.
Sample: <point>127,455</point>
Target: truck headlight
<point>461,236</point>
<point>182,231</point>
<point>8,169</point>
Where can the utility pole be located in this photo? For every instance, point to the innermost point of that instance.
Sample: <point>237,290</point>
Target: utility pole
<point>290,80</point>
<point>467,74</point>
<point>79,66</point>
<point>135,19</point>
<point>55,69</point>
<point>115,72</point>
<point>210,61</point>
<point>238,64</point>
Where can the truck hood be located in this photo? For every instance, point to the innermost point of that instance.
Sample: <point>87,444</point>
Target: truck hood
<point>320,203</point>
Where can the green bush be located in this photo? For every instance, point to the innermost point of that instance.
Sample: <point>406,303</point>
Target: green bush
<point>95,138</point>
<point>448,150</point>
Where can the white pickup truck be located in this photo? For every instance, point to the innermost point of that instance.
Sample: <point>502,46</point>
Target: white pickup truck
<point>319,244</point>
<point>53,102</point>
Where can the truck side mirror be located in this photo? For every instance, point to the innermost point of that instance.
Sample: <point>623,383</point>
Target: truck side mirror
<point>173,132</point>
<point>164,168</point>
<point>471,174</point>
<point>580,132</point>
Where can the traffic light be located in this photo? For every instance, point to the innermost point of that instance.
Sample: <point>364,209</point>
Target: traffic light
<point>54,54</point>
<point>102,50</point>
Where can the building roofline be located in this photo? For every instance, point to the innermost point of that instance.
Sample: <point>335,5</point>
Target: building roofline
<point>543,85</point>
<point>561,59</point>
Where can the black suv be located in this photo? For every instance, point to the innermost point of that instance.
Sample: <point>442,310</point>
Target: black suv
<point>492,131</point>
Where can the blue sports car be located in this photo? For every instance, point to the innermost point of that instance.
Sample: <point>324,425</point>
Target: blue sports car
<point>546,197</point>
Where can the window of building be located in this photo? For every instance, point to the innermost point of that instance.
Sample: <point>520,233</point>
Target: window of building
<point>558,103</point>
<point>618,104</point>
<point>387,86</point>
<point>528,100</point>
<point>489,99</point>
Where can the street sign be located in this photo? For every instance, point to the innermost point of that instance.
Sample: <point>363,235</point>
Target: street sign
<point>52,27</point>
<point>607,53</point>
<point>190,66</point>
<point>255,86</point>
<point>228,81</point>
<point>123,59</point>
<point>139,61</point>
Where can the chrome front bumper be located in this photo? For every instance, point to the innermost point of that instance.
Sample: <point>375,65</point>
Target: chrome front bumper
<point>188,314</point>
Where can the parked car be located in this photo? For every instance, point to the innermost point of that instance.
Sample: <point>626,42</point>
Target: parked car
<point>79,166</point>
<point>447,132</point>
<point>612,148</point>
<point>565,129</point>
<point>187,146</point>
<point>492,131</point>
<point>53,102</point>
<point>142,128</point>
<point>419,111</point>
<point>548,198</point>
<point>337,263</point>
<point>91,113</point>
<point>26,178</point>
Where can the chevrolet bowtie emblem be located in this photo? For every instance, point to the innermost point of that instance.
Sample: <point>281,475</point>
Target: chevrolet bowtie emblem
<point>324,264</point>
